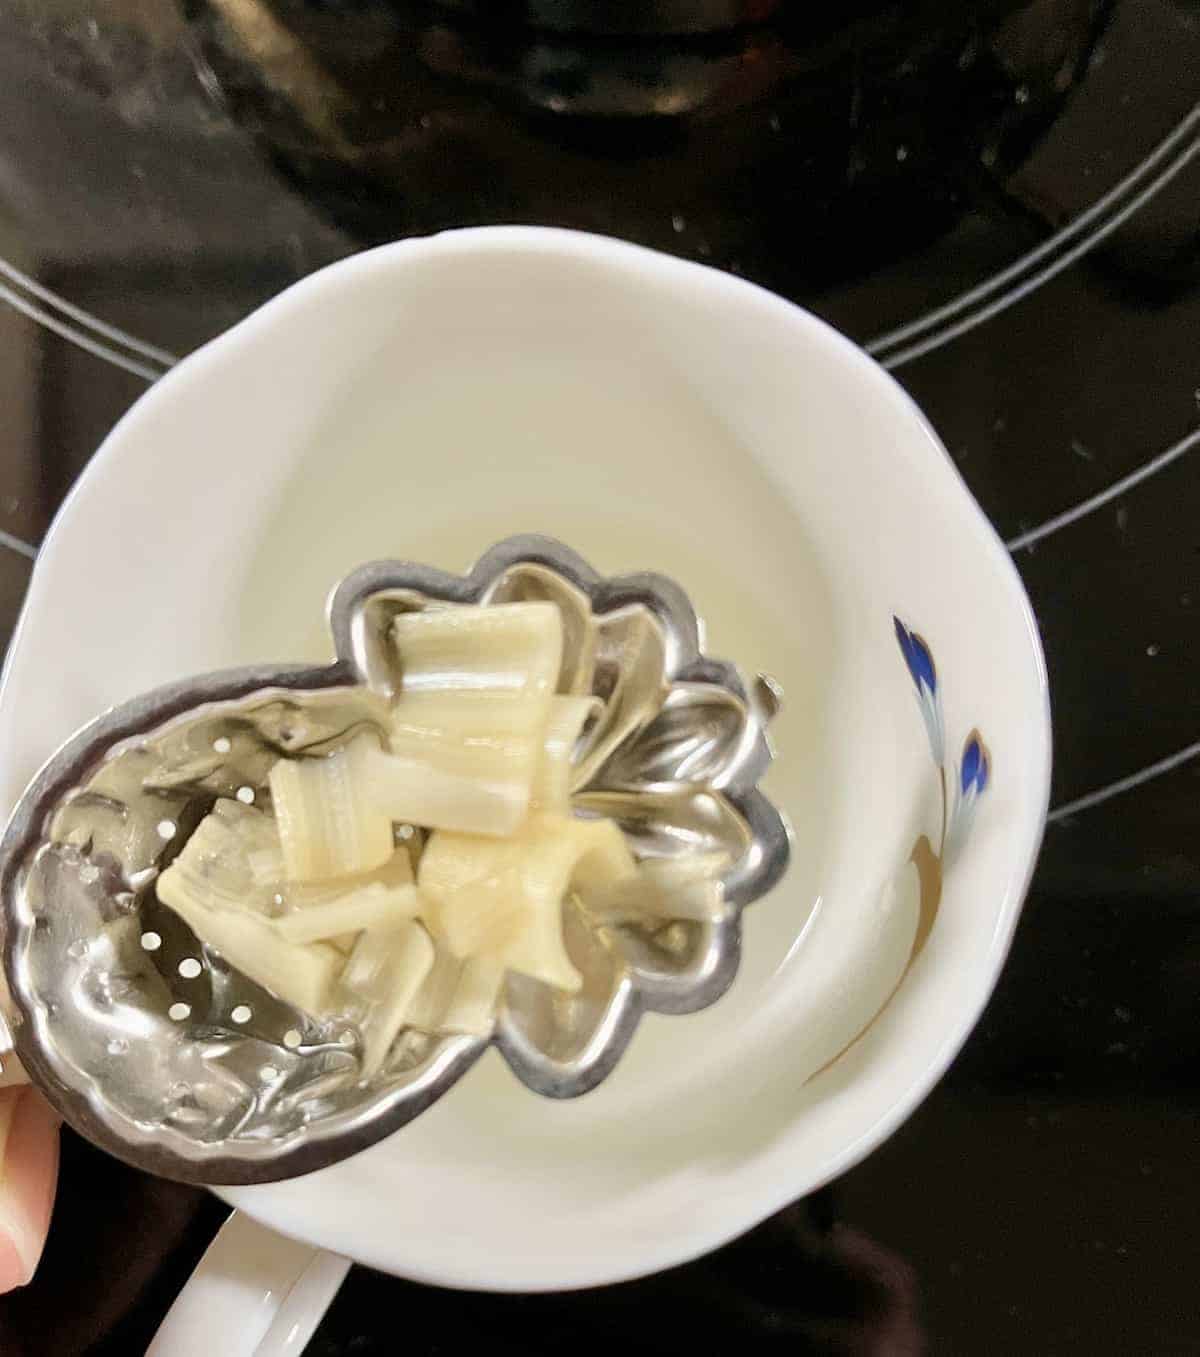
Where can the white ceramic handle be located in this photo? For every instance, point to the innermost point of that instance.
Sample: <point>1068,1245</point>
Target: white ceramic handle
<point>255,1293</point>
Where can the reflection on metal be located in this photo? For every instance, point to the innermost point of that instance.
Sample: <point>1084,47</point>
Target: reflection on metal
<point>1114,491</point>
<point>1127,784</point>
<point>1063,249</point>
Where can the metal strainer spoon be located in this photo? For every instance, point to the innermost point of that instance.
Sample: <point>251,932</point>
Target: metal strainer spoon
<point>151,1046</point>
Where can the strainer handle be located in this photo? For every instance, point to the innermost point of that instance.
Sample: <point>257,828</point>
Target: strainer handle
<point>255,1293</point>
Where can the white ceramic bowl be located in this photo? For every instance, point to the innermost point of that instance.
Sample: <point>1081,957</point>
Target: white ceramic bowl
<point>429,397</point>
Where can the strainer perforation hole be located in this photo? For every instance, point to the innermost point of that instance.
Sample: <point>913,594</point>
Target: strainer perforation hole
<point>167,829</point>
<point>242,1014</point>
<point>268,1073</point>
<point>291,1039</point>
<point>246,795</point>
<point>189,968</point>
<point>222,744</point>
<point>151,941</point>
<point>177,1012</point>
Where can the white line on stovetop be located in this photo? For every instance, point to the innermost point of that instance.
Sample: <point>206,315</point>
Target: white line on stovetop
<point>17,544</point>
<point>1126,784</point>
<point>93,346</point>
<point>85,318</point>
<point>882,348</point>
<point>1079,224</point>
<point>879,347</point>
<point>1097,501</point>
<point>893,360</point>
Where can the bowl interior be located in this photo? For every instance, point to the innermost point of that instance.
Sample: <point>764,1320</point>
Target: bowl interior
<point>427,399</point>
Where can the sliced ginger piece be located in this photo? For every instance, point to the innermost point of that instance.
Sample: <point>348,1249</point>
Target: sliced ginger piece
<point>329,825</point>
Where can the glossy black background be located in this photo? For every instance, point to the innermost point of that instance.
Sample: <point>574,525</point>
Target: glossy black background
<point>168,166</point>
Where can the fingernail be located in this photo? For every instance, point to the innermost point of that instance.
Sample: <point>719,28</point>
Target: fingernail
<point>28,1171</point>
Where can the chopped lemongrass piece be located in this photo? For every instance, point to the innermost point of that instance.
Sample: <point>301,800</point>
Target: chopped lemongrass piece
<point>231,861</point>
<point>538,950</point>
<point>472,790</point>
<point>437,991</point>
<point>639,901</point>
<point>299,895</point>
<point>605,857</point>
<point>328,823</point>
<point>512,646</point>
<point>684,869</point>
<point>661,889</point>
<point>472,1010</point>
<point>461,715</point>
<point>298,974</point>
<point>492,797</point>
<point>367,907</point>
<point>564,724</point>
<point>458,997</point>
<point>381,979</point>
<point>467,729</point>
<point>476,921</point>
<point>502,898</point>
<point>464,760</point>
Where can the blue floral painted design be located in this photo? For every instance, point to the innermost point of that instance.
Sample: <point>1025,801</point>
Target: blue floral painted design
<point>974,772</point>
<point>974,768</point>
<point>961,790</point>
<point>919,659</point>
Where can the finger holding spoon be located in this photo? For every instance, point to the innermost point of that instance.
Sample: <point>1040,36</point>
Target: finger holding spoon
<point>28,1174</point>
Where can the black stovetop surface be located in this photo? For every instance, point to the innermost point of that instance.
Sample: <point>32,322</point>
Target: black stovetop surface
<point>1002,202</point>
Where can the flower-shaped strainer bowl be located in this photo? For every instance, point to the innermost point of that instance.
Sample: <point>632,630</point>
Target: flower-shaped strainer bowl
<point>151,1046</point>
